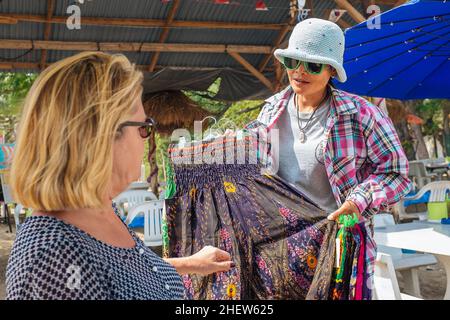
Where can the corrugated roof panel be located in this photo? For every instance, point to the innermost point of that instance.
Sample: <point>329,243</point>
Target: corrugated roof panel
<point>19,55</point>
<point>236,11</point>
<point>24,7</point>
<point>202,59</point>
<point>140,9</point>
<point>105,34</point>
<point>22,31</point>
<point>221,36</point>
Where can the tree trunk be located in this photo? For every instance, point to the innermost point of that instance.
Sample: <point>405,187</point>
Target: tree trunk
<point>421,150</point>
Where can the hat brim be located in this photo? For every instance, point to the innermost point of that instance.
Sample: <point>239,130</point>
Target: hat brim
<point>303,56</point>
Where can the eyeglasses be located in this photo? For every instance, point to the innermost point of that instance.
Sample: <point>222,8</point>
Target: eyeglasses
<point>145,128</point>
<point>310,67</point>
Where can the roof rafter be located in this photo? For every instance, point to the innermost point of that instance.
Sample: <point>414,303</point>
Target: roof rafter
<point>165,33</point>
<point>131,46</point>
<point>47,31</point>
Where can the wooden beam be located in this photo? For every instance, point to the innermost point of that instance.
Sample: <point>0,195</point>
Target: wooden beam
<point>252,70</point>
<point>9,65</point>
<point>165,33</point>
<point>277,42</point>
<point>48,28</point>
<point>131,46</point>
<point>143,23</point>
<point>8,20</point>
<point>343,24</point>
<point>355,14</point>
<point>399,3</point>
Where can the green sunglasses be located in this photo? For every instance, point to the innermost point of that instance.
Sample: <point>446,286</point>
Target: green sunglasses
<point>310,67</point>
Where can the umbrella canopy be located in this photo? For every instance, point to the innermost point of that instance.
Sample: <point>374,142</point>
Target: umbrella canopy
<point>408,57</point>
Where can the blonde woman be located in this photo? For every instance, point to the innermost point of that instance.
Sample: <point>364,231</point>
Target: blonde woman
<point>80,143</point>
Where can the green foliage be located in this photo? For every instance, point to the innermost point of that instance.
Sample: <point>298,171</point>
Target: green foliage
<point>13,89</point>
<point>431,112</point>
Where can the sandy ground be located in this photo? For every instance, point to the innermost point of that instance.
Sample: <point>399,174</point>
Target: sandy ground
<point>432,279</point>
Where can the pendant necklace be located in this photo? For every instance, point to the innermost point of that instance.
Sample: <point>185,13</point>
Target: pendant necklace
<point>302,133</point>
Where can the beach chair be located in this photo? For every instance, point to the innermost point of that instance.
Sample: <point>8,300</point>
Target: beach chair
<point>131,198</point>
<point>385,280</point>
<point>418,173</point>
<point>434,194</point>
<point>153,214</point>
<point>403,261</point>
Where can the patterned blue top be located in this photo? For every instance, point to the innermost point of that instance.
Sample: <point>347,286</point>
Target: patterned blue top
<point>51,259</point>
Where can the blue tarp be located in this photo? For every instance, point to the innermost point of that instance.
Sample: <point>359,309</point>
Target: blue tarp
<point>408,57</point>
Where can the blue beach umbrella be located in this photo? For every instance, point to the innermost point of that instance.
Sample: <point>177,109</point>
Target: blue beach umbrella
<point>408,57</point>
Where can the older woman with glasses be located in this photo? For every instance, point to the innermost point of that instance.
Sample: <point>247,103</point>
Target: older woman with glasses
<point>81,143</point>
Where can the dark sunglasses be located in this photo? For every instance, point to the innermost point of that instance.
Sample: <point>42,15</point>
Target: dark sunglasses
<point>310,67</point>
<point>145,128</point>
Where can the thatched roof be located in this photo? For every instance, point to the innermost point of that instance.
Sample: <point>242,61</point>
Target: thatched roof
<point>172,110</point>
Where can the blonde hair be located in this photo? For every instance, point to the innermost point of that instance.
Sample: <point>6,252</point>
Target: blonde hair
<point>63,154</point>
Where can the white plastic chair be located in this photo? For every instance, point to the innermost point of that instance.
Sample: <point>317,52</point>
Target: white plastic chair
<point>133,197</point>
<point>438,193</point>
<point>385,280</point>
<point>418,172</point>
<point>406,264</point>
<point>153,214</point>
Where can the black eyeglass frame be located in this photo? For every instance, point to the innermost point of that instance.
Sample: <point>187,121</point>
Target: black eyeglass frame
<point>145,128</point>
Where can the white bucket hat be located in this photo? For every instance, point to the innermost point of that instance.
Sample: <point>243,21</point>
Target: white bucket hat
<point>318,41</point>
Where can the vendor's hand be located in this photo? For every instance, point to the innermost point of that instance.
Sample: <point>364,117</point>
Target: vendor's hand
<point>348,207</point>
<point>210,260</point>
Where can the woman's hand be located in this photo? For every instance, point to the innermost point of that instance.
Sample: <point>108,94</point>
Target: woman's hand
<point>348,207</point>
<point>208,260</point>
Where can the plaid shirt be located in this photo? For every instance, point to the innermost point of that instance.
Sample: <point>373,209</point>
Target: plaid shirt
<point>363,157</point>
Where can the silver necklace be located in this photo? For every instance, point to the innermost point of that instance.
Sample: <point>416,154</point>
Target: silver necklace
<point>302,133</point>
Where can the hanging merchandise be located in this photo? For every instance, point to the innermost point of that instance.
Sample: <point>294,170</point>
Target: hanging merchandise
<point>336,14</point>
<point>283,245</point>
<point>350,278</point>
<point>261,6</point>
<point>303,14</point>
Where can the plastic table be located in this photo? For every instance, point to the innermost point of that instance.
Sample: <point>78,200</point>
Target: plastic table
<point>422,236</point>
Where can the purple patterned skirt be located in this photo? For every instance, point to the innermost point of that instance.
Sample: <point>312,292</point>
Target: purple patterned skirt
<point>282,244</point>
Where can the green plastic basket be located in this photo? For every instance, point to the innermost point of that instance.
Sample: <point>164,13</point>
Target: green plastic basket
<point>437,210</point>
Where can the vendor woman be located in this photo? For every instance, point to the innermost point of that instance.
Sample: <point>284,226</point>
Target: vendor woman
<point>340,150</point>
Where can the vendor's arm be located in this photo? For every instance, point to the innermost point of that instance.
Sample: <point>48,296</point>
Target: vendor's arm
<point>389,182</point>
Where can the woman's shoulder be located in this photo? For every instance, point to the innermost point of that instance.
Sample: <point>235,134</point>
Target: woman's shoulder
<point>365,111</point>
<point>46,256</point>
<point>43,238</point>
<point>44,232</point>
